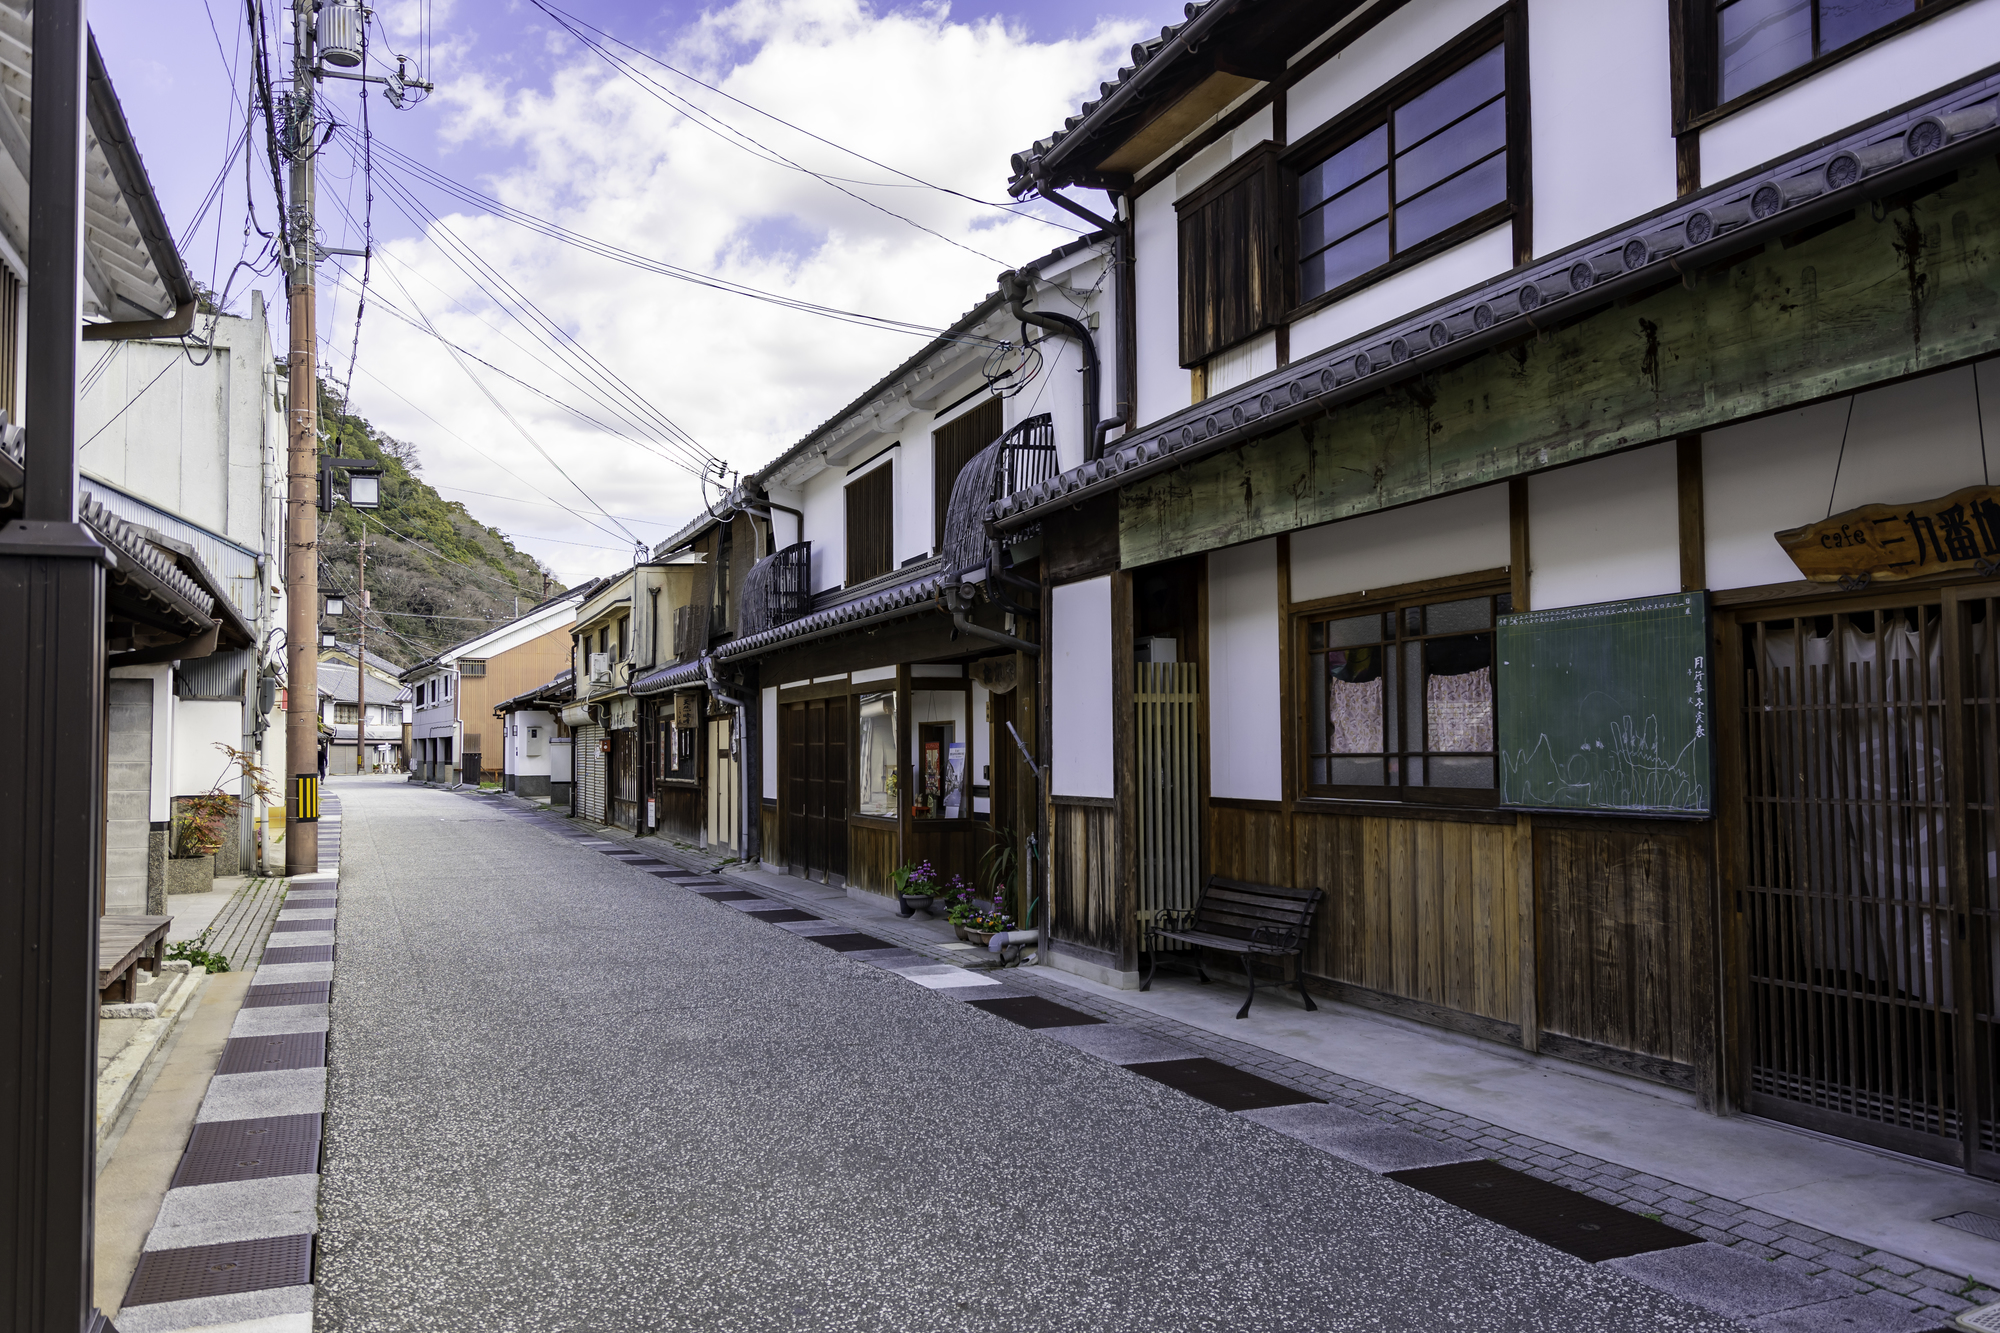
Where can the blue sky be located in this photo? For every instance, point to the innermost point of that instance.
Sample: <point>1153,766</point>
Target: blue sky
<point>526,114</point>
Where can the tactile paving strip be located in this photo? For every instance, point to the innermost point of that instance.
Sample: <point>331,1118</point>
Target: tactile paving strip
<point>1220,1085</point>
<point>310,953</point>
<point>220,1270</point>
<point>258,1055</point>
<point>288,992</point>
<point>1573,1223</point>
<point>225,1150</point>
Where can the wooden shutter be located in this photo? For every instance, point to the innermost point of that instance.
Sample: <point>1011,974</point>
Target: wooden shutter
<point>952,448</point>
<point>871,531</point>
<point>1235,247</point>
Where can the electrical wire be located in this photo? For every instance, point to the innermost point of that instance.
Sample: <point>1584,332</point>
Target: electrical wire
<point>688,109</point>
<point>1014,208</point>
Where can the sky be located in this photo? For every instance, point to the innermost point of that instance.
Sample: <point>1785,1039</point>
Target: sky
<point>563,396</point>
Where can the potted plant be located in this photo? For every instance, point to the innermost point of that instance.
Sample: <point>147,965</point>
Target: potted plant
<point>916,886</point>
<point>194,841</point>
<point>960,903</point>
<point>982,925</point>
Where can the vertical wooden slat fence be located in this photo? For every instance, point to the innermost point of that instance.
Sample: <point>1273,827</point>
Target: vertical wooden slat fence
<point>1166,700</point>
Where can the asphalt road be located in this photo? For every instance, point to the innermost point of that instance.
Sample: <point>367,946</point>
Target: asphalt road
<point>567,1095</point>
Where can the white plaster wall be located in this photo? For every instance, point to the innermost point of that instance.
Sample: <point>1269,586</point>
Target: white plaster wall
<point>1912,441</point>
<point>1080,667</point>
<point>1458,534</point>
<point>770,741</point>
<point>1243,363</point>
<point>824,504</point>
<point>1244,685</point>
<point>198,725</point>
<point>1163,385</point>
<point>1466,264</point>
<point>161,786</point>
<point>1379,56</point>
<point>1949,47</point>
<point>1605,530</point>
<point>1602,124</point>
<point>788,528</point>
<point>914,527</point>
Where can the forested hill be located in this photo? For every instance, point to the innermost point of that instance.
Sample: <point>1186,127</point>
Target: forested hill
<point>436,575</point>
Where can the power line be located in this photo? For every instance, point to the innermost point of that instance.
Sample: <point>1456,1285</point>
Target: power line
<point>1015,208</point>
<point>688,108</point>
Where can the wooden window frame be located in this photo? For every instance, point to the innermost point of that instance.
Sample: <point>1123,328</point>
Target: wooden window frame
<point>1298,683</point>
<point>1507,29</point>
<point>944,435</point>
<point>883,476</point>
<point>1697,72</point>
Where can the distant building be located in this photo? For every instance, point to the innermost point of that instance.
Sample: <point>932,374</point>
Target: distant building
<point>454,693</point>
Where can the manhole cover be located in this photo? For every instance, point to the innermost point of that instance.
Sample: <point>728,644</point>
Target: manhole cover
<point>1220,1085</point>
<point>219,1270</point>
<point>849,943</point>
<point>1032,1011</point>
<point>287,992</point>
<point>259,1055</point>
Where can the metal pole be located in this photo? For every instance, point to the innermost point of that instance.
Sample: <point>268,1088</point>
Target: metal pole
<point>302,520</point>
<point>361,674</point>
<point>52,709</point>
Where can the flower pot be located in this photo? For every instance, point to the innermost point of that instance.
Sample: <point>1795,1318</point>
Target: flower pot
<point>978,937</point>
<point>914,903</point>
<point>190,874</point>
<point>960,930</point>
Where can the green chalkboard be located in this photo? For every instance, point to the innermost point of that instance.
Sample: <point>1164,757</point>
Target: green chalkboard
<point>1606,707</point>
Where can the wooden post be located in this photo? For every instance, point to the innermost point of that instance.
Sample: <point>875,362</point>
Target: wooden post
<point>1125,789</point>
<point>1519,568</point>
<point>1693,527</point>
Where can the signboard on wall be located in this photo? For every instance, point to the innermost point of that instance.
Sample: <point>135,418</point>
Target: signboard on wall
<point>1606,707</point>
<point>1885,543</point>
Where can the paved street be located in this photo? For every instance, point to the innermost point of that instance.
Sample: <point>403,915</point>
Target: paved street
<point>567,1094</point>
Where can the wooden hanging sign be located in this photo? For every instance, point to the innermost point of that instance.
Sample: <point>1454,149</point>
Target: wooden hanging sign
<point>1891,542</point>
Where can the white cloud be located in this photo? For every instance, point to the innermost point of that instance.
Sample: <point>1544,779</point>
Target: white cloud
<point>593,150</point>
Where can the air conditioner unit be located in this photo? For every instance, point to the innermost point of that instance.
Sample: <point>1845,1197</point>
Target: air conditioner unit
<point>600,668</point>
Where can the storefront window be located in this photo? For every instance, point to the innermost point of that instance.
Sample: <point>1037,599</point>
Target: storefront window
<point>878,756</point>
<point>1400,703</point>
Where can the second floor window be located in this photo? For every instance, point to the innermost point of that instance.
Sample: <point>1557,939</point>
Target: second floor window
<point>345,713</point>
<point>1421,167</point>
<point>871,524</point>
<point>1760,40</point>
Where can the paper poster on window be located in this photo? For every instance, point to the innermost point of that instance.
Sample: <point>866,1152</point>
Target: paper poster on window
<point>954,781</point>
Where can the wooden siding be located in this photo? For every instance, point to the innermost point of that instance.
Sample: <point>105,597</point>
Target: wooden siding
<point>1860,304</point>
<point>1087,908</point>
<point>516,671</point>
<point>681,808</point>
<point>1234,268</point>
<point>952,846</point>
<point>1625,923</point>
<point>871,856</point>
<point>871,524</point>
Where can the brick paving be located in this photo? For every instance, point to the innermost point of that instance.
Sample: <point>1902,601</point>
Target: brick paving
<point>1801,1249</point>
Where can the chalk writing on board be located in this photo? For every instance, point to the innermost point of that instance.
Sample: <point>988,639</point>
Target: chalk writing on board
<point>1628,767</point>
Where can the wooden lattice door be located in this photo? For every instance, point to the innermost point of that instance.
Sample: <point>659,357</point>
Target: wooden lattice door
<point>1865,888</point>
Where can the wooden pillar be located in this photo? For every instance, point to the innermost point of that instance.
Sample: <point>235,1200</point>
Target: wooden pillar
<point>1125,784</point>
<point>1518,569</point>
<point>1693,529</point>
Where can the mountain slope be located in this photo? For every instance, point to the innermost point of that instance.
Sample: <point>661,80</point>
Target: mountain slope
<point>436,575</point>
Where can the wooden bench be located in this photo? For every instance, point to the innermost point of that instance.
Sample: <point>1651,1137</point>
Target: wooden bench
<point>123,942</point>
<point>1249,920</point>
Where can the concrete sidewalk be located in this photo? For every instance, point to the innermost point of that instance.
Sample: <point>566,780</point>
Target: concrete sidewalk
<point>1820,1209</point>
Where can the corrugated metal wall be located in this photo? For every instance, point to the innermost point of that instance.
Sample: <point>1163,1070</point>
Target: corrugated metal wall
<point>591,768</point>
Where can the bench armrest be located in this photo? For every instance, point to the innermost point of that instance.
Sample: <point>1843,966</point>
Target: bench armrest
<point>1285,938</point>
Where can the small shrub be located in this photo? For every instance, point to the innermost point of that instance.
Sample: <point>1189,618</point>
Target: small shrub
<point>196,953</point>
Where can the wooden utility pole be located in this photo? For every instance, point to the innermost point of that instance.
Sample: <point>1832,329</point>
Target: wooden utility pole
<point>361,673</point>
<point>302,497</point>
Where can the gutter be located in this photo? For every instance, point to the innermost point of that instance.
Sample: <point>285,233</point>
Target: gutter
<point>1312,387</point>
<point>1015,291</point>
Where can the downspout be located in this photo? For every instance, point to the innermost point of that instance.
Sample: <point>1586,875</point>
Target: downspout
<point>1125,327</point>
<point>750,812</point>
<point>959,601</point>
<point>1014,289</point>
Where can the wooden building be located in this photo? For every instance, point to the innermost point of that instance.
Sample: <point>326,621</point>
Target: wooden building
<point>1556,518</point>
<point>866,656</point>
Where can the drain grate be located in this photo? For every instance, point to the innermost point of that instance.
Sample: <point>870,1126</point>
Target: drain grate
<point>309,953</point>
<point>1986,1319</point>
<point>1573,1223</point>
<point>283,927</point>
<point>288,992</point>
<point>848,942</point>
<point>220,1270</point>
<point>1977,1224</point>
<point>782,914</point>
<point>731,895</point>
<point>260,1055</point>
<point>1220,1085</point>
<point>1032,1011</point>
<point>227,1150</point>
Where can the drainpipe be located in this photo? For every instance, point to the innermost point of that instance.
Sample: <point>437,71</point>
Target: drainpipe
<point>1014,289</point>
<point>959,601</point>
<point>749,768</point>
<point>1126,328</point>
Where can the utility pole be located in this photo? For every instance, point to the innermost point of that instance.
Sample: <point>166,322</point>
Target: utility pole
<point>361,672</point>
<point>302,522</point>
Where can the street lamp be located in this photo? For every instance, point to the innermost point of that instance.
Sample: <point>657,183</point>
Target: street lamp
<point>336,605</point>
<point>364,489</point>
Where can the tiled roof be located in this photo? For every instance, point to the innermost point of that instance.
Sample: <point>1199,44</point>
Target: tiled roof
<point>1902,149</point>
<point>149,560</point>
